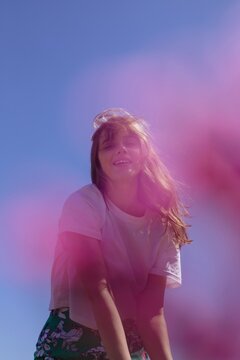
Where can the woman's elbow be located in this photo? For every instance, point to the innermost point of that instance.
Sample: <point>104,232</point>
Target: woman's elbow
<point>147,314</point>
<point>96,289</point>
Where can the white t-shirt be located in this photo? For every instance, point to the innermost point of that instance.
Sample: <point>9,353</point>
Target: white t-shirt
<point>133,247</point>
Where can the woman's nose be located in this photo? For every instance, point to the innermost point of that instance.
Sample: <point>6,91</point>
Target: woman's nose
<point>121,148</point>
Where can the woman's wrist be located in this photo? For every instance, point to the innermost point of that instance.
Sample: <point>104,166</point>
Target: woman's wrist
<point>153,331</point>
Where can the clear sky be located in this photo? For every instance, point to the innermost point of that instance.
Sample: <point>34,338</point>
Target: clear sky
<point>176,63</point>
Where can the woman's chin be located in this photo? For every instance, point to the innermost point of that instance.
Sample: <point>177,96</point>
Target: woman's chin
<point>125,177</point>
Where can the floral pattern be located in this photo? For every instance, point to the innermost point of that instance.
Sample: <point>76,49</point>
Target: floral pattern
<point>61,338</point>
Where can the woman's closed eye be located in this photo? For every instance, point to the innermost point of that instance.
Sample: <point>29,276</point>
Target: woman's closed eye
<point>107,146</point>
<point>132,143</point>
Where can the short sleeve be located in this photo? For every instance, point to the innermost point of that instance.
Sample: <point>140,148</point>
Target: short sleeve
<point>168,261</point>
<point>84,212</point>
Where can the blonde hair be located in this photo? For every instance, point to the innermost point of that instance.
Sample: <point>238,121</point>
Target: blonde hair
<point>157,187</point>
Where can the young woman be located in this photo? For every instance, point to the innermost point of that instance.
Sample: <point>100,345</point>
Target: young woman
<point>118,248</point>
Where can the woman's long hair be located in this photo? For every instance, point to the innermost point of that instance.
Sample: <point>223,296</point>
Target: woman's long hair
<point>157,187</point>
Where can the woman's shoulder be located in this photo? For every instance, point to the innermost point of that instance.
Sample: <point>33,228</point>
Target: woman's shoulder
<point>83,212</point>
<point>88,194</point>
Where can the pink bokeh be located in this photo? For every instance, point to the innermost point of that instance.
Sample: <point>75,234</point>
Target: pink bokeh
<point>32,228</point>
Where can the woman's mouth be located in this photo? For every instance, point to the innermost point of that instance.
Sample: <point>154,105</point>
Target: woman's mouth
<point>121,162</point>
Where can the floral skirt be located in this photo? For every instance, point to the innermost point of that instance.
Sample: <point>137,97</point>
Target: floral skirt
<point>63,339</point>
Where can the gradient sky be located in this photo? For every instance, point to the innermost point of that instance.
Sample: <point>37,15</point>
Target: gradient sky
<point>176,63</point>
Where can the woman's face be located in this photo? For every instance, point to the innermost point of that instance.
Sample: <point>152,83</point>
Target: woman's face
<point>120,155</point>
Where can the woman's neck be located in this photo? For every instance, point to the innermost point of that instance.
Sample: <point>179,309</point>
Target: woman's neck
<point>126,197</point>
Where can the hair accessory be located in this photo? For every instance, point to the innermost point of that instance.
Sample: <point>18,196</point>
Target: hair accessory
<point>108,114</point>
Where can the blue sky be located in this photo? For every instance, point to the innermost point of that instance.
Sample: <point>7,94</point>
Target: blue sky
<point>61,63</point>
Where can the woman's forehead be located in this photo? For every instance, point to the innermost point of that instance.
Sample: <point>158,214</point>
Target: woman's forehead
<point>113,133</point>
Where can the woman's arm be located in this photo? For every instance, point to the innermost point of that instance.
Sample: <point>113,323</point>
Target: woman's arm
<point>85,255</point>
<point>151,321</point>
